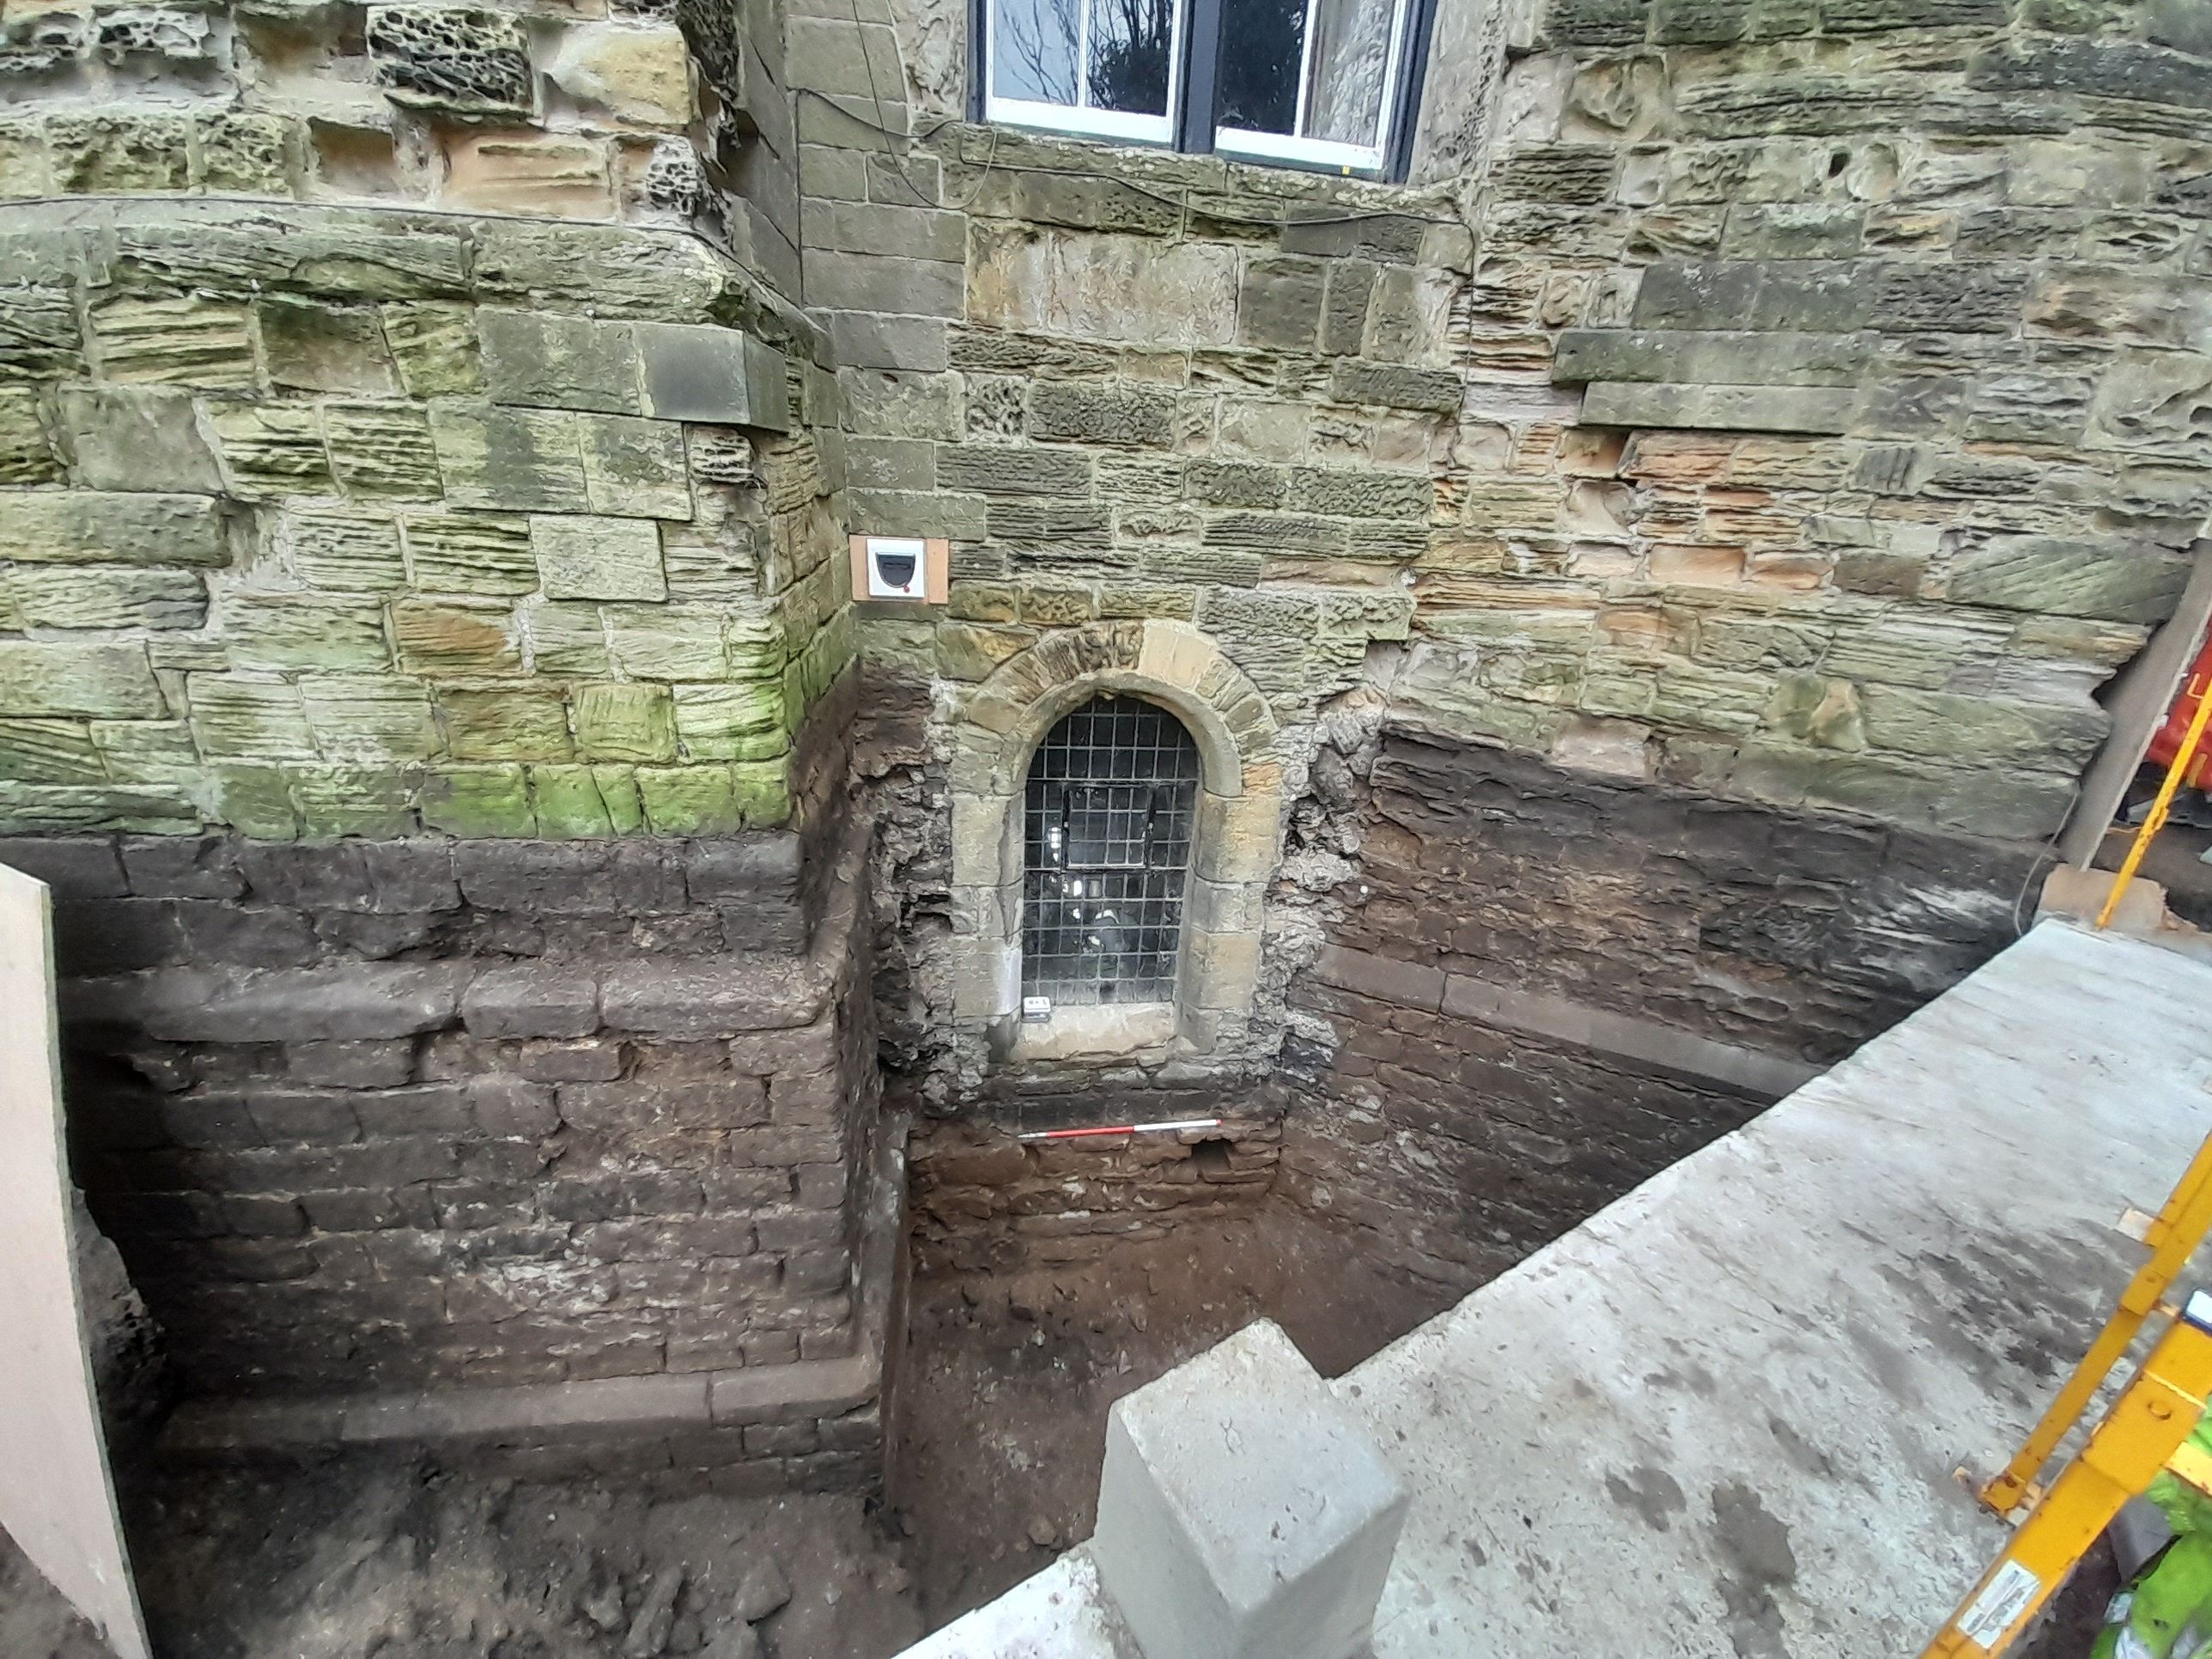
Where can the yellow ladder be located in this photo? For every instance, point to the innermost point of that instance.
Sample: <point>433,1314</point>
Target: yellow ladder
<point>2146,1430</point>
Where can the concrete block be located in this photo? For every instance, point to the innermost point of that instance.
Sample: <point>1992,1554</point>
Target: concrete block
<point>1243,1512</point>
<point>2080,894</point>
<point>694,372</point>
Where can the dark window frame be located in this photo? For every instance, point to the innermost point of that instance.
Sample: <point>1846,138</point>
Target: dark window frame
<point>1194,93</point>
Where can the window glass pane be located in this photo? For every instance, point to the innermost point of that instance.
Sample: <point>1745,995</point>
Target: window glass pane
<point>1351,62</point>
<point>1130,40</point>
<point>1034,49</point>
<point>1260,43</point>
<point>1106,819</point>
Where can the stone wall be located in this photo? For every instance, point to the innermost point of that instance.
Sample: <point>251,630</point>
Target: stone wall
<point>387,1179</point>
<point>649,112</point>
<point>1803,412</point>
<point>326,524</point>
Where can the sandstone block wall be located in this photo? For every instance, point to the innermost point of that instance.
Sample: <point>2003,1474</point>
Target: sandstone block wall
<point>324,524</point>
<point>1803,413</point>
<point>654,113</point>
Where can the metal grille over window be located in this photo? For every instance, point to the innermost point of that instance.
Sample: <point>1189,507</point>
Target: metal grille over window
<point>1107,823</point>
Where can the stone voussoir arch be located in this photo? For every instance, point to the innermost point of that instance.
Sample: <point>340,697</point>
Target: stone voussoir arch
<point>1183,670</point>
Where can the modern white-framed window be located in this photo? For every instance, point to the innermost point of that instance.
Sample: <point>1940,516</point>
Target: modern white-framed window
<point>1327,84</point>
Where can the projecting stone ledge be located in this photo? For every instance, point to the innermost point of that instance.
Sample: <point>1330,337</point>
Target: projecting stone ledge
<point>1720,408</point>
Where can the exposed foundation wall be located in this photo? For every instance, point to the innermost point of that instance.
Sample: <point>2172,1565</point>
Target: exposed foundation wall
<point>386,1179</point>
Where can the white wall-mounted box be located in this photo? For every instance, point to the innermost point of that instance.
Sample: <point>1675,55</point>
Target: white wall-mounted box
<point>912,569</point>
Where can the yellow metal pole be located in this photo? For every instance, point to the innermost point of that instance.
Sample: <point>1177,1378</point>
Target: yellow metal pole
<point>2159,808</point>
<point>2145,1427</point>
<point>2173,1236</point>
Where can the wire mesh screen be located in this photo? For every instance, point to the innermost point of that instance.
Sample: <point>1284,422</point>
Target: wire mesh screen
<point>1107,824</point>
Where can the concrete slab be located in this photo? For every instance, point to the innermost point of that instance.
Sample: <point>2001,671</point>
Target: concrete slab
<point>1724,1415</point>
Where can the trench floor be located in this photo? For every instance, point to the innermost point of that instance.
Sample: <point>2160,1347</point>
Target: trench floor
<point>1007,1383</point>
<point>1008,1378</point>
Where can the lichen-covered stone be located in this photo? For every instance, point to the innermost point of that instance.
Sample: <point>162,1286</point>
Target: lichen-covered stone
<point>235,717</point>
<point>381,449</point>
<point>619,722</point>
<point>743,721</point>
<point>598,558</point>
<point>434,348</point>
<point>559,362</point>
<point>315,347</point>
<point>465,553</point>
<point>525,460</point>
<point>111,527</point>
<point>287,630</point>
<point>370,717</point>
<point>184,341</point>
<point>509,724</point>
<point>633,468</point>
<point>107,596</point>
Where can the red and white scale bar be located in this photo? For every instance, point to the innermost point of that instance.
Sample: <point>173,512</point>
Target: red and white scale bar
<point>1169,1127</point>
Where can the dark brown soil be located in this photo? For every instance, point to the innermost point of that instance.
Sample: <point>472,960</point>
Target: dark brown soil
<point>1008,1379</point>
<point>1006,1385</point>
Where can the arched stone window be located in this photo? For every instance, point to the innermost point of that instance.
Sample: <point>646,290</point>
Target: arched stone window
<point>1107,813</point>
<point>1236,798</point>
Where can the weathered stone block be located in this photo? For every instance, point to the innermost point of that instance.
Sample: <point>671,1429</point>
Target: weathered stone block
<point>284,630</point>
<point>451,59</point>
<point>1126,416</point>
<point>861,282</point>
<point>435,347</point>
<point>2069,579</point>
<point>349,550</point>
<point>625,722</point>
<point>531,1001</point>
<point>381,449</point>
<point>1713,358</point>
<point>455,638</point>
<point>635,468</point>
<point>270,450</point>
<point>470,553</point>
<point>1279,303</point>
<point>111,681</point>
<point>524,460</point>
<point>694,372</point>
<point>521,723</point>
<point>186,341</point>
<point>248,719</point>
<point>1725,408</point>
<point>119,151</point>
<point>598,558</point>
<point>636,73</point>
<point>107,596</point>
<point>1364,494</point>
<point>998,469</point>
<point>558,362</point>
<point>133,438</point>
<point>742,721</point>
<point>1395,386</point>
<point>312,347</point>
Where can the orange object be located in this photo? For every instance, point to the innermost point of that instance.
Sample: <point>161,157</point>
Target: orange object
<point>2165,742</point>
